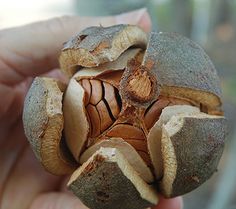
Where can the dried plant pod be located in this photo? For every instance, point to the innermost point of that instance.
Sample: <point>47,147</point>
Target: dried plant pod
<point>140,116</point>
<point>43,124</point>
<point>128,151</point>
<point>155,134</point>
<point>119,64</point>
<point>76,99</point>
<point>182,68</point>
<point>107,178</point>
<point>97,45</point>
<point>193,159</point>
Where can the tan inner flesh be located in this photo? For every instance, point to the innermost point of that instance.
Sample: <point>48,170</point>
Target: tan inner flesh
<point>103,105</point>
<point>140,85</point>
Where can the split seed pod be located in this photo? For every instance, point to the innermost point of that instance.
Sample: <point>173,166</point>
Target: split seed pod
<point>140,114</point>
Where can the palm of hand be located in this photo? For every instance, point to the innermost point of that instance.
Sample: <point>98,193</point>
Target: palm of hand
<point>23,182</point>
<point>17,182</point>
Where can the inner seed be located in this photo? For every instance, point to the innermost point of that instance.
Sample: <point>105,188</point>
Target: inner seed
<point>110,96</point>
<point>94,120</point>
<point>102,104</point>
<point>133,136</point>
<point>153,112</point>
<point>96,95</point>
<point>126,131</point>
<point>87,86</point>
<point>105,119</point>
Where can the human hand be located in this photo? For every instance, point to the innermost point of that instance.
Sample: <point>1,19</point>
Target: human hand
<point>26,52</point>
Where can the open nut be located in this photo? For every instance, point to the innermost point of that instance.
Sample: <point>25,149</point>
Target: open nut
<point>138,115</point>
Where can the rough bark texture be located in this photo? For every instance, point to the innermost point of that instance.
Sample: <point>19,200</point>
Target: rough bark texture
<point>102,183</point>
<point>198,145</point>
<point>43,124</point>
<point>155,134</point>
<point>179,62</point>
<point>35,116</point>
<point>97,45</point>
<point>128,151</point>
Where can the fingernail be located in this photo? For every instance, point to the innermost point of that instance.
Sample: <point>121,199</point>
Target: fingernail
<point>132,17</point>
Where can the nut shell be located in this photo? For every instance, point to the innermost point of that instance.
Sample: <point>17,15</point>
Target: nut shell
<point>119,64</point>
<point>43,124</point>
<point>97,45</point>
<point>107,181</point>
<point>155,134</point>
<point>128,151</point>
<point>191,148</point>
<point>182,68</point>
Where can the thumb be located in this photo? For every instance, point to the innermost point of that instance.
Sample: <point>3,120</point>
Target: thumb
<point>138,17</point>
<point>57,200</point>
<point>33,49</point>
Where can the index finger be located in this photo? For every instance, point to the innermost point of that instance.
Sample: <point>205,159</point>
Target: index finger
<point>173,203</point>
<point>33,49</point>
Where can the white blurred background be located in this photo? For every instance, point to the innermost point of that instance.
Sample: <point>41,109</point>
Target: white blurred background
<point>18,12</point>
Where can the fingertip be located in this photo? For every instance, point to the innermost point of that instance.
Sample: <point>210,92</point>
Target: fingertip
<point>137,17</point>
<point>57,74</point>
<point>173,203</point>
<point>57,200</point>
<point>145,22</point>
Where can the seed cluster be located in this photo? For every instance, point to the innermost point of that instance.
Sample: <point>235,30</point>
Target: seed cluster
<point>103,106</point>
<point>153,112</point>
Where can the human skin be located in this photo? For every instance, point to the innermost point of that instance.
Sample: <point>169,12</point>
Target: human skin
<point>26,52</point>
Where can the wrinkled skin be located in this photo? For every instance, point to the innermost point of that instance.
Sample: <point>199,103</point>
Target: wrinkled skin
<point>26,52</point>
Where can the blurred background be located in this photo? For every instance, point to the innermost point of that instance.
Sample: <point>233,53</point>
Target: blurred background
<point>211,23</point>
